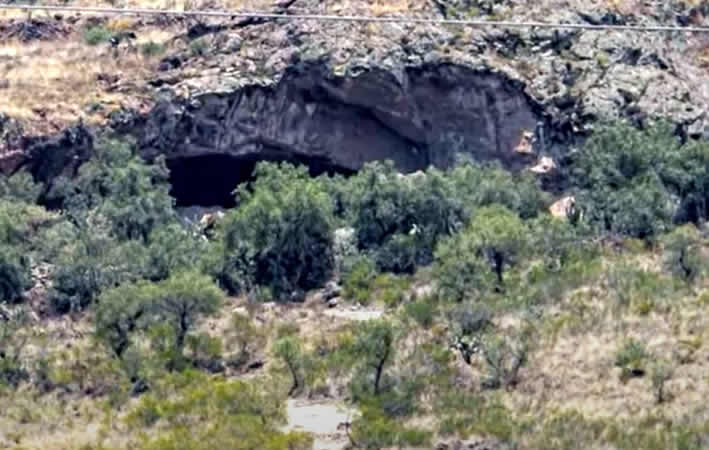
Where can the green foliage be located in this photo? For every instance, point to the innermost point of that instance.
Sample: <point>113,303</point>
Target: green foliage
<point>374,347</point>
<point>473,262</point>
<point>199,413</point>
<point>117,185</point>
<point>422,311</point>
<point>180,301</point>
<point>660,373</point>
<point>683,256</point>
<point>640,183</point>
<point>92,263</point>
<point>14,276</point>
<point>20,187</point>
<point>281,234</point>
<point>505,356</point>
<point>289,351</point>
<point>173,248</point>
<point>199,47</point>
<point>359,279</point>
<point>97,35</point>
<point>631,357</point>
<point>152,48</point>
<point>13,340</point>
<point>248,338</point>
<point>121,311</point>
<point>401,218</point>
<point>375,430</point>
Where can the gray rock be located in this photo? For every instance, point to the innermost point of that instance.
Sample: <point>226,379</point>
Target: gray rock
<point>331,290</point>
<point>333,302</point>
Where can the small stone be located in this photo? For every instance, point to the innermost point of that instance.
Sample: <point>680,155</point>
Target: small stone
<point>333,302</point>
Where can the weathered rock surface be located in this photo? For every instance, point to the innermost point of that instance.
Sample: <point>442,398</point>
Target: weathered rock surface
<point>339,94</point>
<point>420,118</point>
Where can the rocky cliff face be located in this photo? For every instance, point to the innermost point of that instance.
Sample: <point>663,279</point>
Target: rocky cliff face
<point>339,94</point>
<point>421,117</point>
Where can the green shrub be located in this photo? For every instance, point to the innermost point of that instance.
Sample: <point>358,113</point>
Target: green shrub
<point>470,264</point>
<point>281,235</point>
<point>504,357</point>
<point>14,277</point>
<point>117,185</point>
<point>289,351</point>
<point>152,48</point>
<point>97,35</point>
<point>422,311</point>
<point>631,357</point>
<point>374,430</point>
<point>20,187</point>
<point>199,47</point>
<point>374,347</point>
<point>358,281</point>
<point>683,253</point>
<point>660,373</point>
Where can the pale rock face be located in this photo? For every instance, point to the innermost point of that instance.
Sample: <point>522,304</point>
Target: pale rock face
<point>545,165</point>
<point>562,207</point>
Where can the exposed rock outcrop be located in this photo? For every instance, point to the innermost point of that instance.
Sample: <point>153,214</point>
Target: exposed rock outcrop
<point>423,116</point>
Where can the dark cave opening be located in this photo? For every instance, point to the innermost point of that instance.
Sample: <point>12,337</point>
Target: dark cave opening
<point>210,180</point>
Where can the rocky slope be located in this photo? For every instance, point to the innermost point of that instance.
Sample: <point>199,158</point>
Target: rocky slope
<point>339,94</point>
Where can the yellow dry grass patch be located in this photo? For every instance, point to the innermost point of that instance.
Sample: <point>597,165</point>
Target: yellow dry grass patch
<point>54,83</point>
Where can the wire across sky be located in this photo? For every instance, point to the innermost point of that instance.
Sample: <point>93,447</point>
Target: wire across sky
<point>355,18</point>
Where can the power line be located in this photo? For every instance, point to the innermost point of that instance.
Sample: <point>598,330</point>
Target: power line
<point>358,19</point>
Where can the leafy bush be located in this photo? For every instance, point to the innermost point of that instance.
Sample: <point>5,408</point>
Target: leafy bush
<point>660,374</point>
<point>281,234</point>
<point>504,358</point>
<point>122,311</point>
<point>152,48</point>
<point>631,357</point>
<point>358,281</point>
<point>20,187</point>
<point>221,414</point>
<point>91,265</point>
<point>470,264</point>
<point>374,347</point>
<point>13,340</point>
<point>97,35</point>
<point>683,256</point>
<point>288,350</point>
<point>401,218</point>
<point>422,311</point>
<point>248,339</point>
<point>14,277</point>
<point>641,182</point>
<point>181,300</point>
<point>118,185</point>
<point>375,430</point>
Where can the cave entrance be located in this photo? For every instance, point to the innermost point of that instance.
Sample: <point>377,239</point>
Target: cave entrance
<point>210,180</point>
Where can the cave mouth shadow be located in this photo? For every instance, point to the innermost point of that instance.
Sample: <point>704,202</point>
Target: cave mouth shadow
<point>210,180</point>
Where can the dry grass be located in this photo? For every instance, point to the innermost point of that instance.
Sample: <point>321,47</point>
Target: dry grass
<point>52,84</point>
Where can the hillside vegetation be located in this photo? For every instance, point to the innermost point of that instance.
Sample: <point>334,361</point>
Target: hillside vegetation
<point>124,326</point>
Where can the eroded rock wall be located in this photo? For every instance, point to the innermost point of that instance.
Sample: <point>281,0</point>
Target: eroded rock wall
<point>421,117</point>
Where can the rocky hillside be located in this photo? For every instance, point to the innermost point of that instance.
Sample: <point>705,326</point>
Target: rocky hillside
<point>528,270</point>
<point>341,94</point>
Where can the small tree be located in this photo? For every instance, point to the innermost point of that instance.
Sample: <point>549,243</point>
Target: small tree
<point>14,276</point>
<point>375,346</point>
<point>660,373</point>
<point>13,340</point>
<point>281,235</point>
<point>181,300</point>
<point>289,350</point>
<point>504,358</point>
<point>120,312</point>
<point>247,337</point>
<point>683,253</point>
